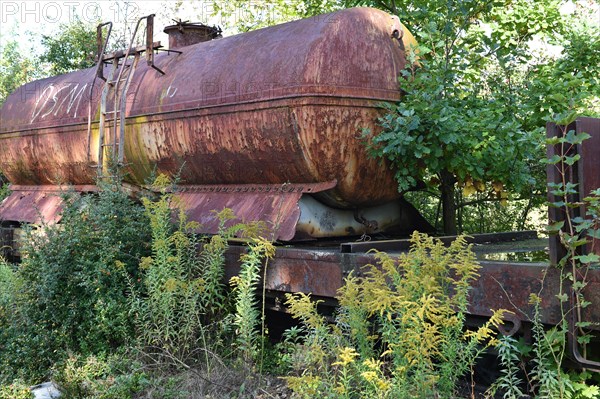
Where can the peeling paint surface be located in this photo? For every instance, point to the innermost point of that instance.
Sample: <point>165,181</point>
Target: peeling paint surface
<point>274,205</point>
<point>36,204</point>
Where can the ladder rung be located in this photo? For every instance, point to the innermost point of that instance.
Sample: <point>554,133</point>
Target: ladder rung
<point>112,112</point>
<point>132,52</point>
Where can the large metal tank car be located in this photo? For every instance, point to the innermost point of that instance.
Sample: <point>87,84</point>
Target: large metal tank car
<point>255,122</point>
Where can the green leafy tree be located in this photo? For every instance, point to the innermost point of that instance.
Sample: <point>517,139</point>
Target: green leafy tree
<point>247,16</point>
<point>15,69</point>
<point>73,48</point>
<point>465,119</point>
<point>569,85</point>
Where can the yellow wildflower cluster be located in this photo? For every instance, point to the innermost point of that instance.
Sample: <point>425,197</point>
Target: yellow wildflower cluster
<point>146,263</point>
<point>306,385</point>
<point>171,285</point>
<point>301,307</point>
<point>346,356</point>
<point>374,376</point>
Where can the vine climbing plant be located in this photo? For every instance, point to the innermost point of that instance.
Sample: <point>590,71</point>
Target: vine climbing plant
<point>577,226</point>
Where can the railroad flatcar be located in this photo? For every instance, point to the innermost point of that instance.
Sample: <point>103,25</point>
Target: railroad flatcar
<point>267,123</point>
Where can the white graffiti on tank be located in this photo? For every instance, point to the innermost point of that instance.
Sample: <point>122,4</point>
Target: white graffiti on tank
<point>63,101</point>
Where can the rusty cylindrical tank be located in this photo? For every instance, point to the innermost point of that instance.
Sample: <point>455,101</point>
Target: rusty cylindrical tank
<point>276,105</point>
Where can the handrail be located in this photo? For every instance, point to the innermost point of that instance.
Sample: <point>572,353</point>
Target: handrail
<point>99,74</point>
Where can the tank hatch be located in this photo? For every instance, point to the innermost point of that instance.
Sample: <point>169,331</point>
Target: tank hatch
<point>185,33</point>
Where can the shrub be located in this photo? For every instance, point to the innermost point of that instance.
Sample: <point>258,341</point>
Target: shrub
<point>16,390</point>
<point>73,298</point>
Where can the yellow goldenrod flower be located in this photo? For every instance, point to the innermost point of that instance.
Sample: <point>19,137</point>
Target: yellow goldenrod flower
<point>171,285</point>
<point>340,388</point>
<point>369,376</point>
<point>372,364</point>
<point>145,263</point>
<point>346,357</point>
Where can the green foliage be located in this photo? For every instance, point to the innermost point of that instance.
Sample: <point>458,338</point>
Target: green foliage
<point>16,390</point>
<point>10,284</point>
<point>169,317</point>
<point>549,350</point>
<point>478,213</point>
<point>577,232</point>
<point>540,364</point>
<point>546,377</point>
<point>98,378</point>
<point>569,85</point>
<point>73,296</point>
<point>16,69</point>
<point>4,191</point>
<point>72,49</point>
<point>249,16</point>
<point>459,117</point>
<point>186,306</point>
<point>247,315</point>
<point>399,331</point>
<point>476,91</point>
<point>509,382</point>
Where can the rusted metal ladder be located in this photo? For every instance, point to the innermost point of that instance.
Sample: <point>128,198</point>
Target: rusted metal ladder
<point>111,136</point>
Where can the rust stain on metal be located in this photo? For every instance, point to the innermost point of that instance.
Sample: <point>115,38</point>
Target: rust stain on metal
<point>501,285</point>
<point>274,205</point>
<point>589,166</point>
<point>184,34</point>
<point>36,204</point>
<point>293,270</point>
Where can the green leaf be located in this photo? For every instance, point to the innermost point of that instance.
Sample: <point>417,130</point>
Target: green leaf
<point>573,138</point>
<point>590,392</point>
<point>558,204</point>
<point>594,233</point>
<point>555,227</point>
<point>553,160</point>
<point>590,258</point>
<point>574,242</point>
<point>584,339</point>
<point>562,297</point>
<point>571,160</point>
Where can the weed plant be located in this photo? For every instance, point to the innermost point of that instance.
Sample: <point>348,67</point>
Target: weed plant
<point>99,377</point>
<point>399,332</point>
<point>16,390</point>
<point>542,363</point>
<point>247,314</point>
<point>187,315</point>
